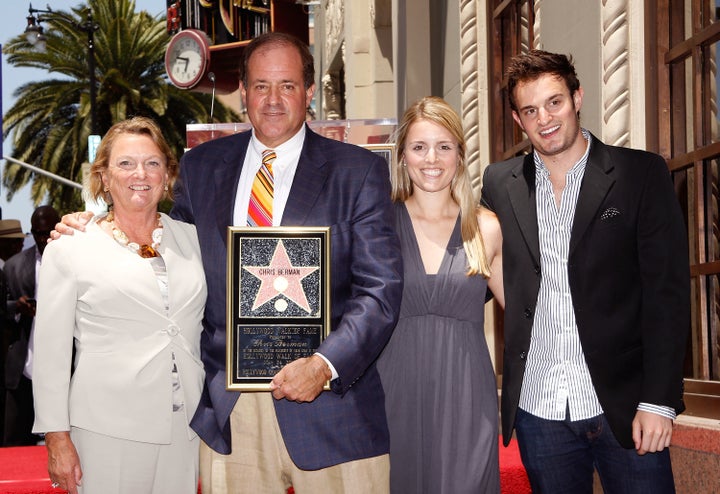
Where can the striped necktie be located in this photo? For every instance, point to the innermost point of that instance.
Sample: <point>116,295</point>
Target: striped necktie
<point>261,198</point>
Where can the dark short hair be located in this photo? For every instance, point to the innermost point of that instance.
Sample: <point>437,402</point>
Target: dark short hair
<point>529,66</point>
<point>274,39</point>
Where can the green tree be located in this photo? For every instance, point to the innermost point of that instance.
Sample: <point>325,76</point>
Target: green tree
<point>50,121</point>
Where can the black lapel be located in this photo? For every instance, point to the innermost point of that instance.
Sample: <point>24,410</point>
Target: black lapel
<point>521,191</point>
<point>597,181</point>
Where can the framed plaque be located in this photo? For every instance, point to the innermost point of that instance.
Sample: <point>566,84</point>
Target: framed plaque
<point>383,150</point>
<point>278,306</point>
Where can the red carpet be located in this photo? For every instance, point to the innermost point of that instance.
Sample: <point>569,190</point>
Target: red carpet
<point>513,479</point>
<point>24,471</point>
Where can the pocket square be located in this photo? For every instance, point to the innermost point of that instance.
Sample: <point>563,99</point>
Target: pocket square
<point>609,213</point>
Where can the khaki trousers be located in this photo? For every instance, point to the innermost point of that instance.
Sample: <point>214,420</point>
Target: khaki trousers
<point>260,464</point>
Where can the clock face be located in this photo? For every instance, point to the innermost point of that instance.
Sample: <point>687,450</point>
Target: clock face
<point>186,58</point>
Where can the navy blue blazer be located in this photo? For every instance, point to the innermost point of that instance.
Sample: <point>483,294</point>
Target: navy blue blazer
<point>337,185</point>
<point>628,272</point>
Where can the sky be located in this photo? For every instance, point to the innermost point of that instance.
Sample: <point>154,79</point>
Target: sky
<point>13,22</point>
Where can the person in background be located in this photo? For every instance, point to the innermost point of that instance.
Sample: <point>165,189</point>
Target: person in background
<point>129,293</point>
<point>12,239</point>
<point>296,435</point>
<point>597,292</point>
<point>21,272</point>
<point>11,243</point>
<point>440,387</point>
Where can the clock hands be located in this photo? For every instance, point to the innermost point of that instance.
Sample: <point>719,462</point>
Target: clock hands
<point>186,60</point>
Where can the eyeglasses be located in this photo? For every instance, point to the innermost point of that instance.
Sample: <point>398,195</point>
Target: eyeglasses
<point>130,165</point>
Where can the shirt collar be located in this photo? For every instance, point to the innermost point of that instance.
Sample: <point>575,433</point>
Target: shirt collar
<point>294,143</point>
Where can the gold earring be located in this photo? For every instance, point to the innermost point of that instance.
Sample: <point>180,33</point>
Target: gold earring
<point>106,189</point>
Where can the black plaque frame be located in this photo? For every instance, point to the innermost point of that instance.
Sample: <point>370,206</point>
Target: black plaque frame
<point>278,300</point>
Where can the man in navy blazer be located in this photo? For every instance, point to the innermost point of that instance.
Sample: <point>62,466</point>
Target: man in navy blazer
<point>335,441</point>
<point>597,294</point>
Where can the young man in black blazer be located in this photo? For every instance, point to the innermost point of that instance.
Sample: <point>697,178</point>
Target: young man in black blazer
<point>597,292</point>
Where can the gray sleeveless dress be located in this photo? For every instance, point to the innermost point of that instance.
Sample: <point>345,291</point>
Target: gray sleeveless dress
<point>441,396</point>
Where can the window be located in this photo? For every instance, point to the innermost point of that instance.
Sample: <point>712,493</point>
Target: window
<point>512,33</point>
<point>684,96</point>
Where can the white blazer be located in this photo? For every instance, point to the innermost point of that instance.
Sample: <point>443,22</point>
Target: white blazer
<point>107,298</point>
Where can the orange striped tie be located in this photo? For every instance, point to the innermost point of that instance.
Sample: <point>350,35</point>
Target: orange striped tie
<point>261,198</point>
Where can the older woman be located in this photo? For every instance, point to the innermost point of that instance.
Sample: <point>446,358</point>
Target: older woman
<point>129,292</point>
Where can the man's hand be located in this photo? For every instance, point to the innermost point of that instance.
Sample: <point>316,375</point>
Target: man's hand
<point>651,432</point>
<point>70,223</point>
<point>63,461</point>
<point>301,380</point>
<point>25,306</point>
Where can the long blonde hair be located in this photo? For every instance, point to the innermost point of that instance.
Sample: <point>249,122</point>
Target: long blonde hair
<point>436,110</point>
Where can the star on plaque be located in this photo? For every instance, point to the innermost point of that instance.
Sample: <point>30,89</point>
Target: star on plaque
<point>280,277</point>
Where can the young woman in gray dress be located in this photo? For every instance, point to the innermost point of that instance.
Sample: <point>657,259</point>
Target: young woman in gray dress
<point>441,394</point>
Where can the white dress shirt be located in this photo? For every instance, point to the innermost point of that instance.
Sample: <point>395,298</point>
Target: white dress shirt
<point>284,166</point>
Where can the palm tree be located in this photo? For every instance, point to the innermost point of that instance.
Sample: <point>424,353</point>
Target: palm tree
<point>49,123</point>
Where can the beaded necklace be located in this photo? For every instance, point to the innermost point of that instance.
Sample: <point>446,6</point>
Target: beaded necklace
<point>146,251</point>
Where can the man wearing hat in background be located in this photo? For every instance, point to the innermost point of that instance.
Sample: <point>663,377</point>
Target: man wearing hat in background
<point>12,239</point>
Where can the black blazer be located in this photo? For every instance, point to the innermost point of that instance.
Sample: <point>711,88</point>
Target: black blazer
<point>629,278</point>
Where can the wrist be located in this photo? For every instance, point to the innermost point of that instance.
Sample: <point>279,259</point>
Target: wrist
<point>56,436</point>
<point>321,367</point>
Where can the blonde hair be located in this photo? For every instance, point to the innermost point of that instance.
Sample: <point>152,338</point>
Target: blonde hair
<point>436,110</point>
<point>135,125</point>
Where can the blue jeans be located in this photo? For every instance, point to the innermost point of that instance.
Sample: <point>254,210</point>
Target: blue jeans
<point>559,457</point>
